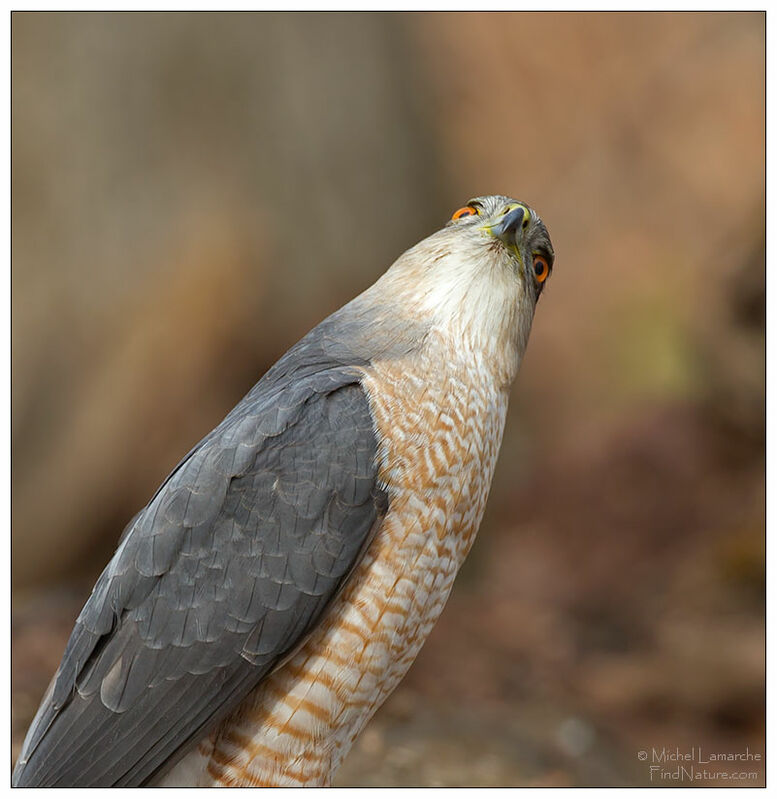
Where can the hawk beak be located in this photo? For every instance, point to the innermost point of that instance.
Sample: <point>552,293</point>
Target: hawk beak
<point>509,225</point>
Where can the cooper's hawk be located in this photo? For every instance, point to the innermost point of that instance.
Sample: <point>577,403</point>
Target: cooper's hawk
<point>282,579</point>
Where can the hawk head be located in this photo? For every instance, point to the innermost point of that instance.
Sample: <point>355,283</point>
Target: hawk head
<point>503,225</point>
<point>477,279</point>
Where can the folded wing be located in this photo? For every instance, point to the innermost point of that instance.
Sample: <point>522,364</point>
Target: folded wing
<point>226,570</point>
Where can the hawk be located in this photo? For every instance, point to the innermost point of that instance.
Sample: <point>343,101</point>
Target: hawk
<point>283,578</point>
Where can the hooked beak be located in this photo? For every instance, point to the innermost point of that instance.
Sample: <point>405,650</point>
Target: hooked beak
<point>509,225</point>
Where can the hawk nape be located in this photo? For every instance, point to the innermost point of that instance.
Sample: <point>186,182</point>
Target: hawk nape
<point>281,581</point>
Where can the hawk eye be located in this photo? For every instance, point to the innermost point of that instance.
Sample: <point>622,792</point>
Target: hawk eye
<point>467,210</point>
<point>541,268</point>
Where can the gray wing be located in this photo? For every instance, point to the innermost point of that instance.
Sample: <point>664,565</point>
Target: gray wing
<point>225,571</point>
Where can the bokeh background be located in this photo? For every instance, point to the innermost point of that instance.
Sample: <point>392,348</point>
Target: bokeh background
<point>193,192</point>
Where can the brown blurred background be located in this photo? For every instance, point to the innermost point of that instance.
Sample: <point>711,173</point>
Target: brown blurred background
<point>192,192</point>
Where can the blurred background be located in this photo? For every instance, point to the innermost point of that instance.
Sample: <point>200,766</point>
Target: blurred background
<point>193,192</point>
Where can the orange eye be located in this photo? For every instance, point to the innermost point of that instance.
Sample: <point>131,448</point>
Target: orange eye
<point>468,210</point>
<point>541,268</point>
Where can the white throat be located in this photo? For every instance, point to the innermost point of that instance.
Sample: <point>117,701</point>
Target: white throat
<point>475,296</point>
